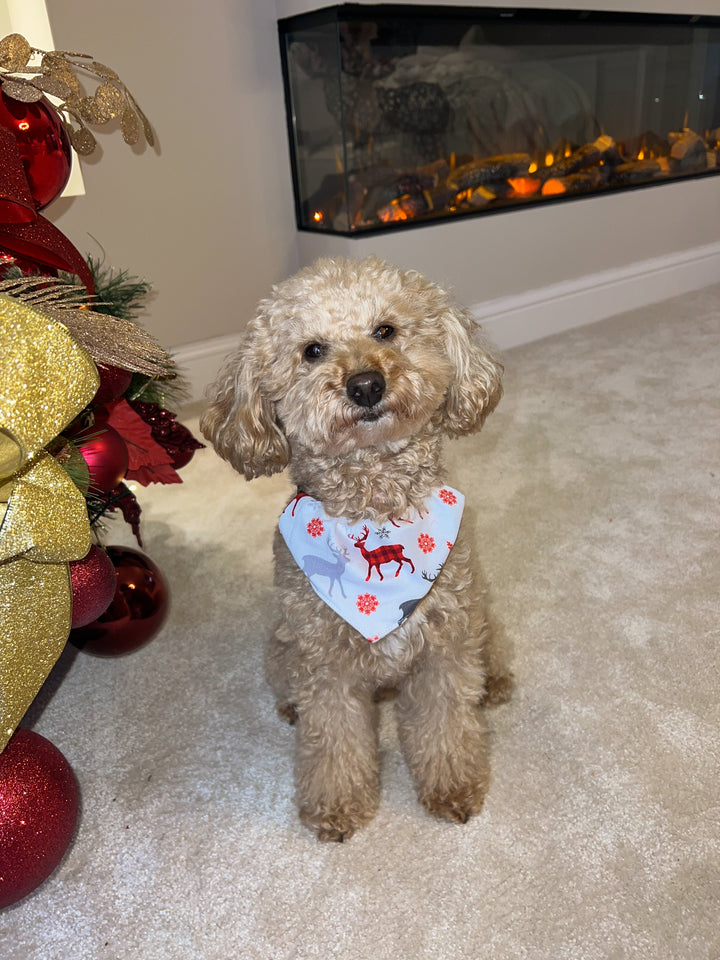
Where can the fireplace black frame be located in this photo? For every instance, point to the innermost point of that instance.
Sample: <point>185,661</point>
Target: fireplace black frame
<point>544,22</point>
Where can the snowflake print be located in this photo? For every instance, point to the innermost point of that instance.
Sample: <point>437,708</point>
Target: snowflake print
<point>367,603</point>
<point>315,527</point>
<point>426,543</point>
<point>447,496</point>
<point>373,639</point>
<point>383,533</point>
<point>449,545</point>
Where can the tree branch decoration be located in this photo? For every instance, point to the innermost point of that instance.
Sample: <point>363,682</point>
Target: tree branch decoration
<point>59,76</point>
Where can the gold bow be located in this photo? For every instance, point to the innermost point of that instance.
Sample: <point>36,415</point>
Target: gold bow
<point>46,379</point>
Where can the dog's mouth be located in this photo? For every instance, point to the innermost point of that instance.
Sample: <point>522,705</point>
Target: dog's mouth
<point>371,416</point>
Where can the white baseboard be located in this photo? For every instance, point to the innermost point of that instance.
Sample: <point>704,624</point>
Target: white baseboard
<point>511,321</point>
<point>198,363</point>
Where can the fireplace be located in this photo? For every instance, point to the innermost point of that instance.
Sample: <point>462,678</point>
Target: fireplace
<point>403,115</point>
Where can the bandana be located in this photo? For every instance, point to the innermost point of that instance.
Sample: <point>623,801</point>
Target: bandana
<point>372,576</point>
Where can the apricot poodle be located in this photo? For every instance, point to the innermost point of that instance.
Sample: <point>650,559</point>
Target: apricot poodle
<point>350,374</point>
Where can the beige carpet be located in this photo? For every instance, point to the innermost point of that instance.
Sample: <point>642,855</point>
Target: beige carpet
<point>596,485</point>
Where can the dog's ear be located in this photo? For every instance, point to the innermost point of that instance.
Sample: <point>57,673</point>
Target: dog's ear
<point>240,420</point>
<point>477,385</point>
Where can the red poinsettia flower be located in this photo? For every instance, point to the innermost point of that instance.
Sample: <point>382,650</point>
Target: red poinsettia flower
<point>172,436</point>
<point>148,461</point>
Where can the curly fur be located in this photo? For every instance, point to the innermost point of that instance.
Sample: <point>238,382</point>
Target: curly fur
<point>276,405</point>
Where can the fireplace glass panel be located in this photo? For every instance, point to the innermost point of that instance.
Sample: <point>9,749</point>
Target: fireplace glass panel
<point>400,115</point>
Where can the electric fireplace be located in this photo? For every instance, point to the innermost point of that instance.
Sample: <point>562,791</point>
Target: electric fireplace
<point>403,115</point>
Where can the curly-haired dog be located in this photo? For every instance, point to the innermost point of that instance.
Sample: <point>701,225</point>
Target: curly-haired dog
<point>350,374</point>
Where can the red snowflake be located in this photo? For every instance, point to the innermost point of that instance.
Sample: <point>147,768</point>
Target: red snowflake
<point>373,639</point>
<point>447,496</point>
<point>449,545</point>
<point>315,527</point>
<point>367,603</point>
<point>426,543</point>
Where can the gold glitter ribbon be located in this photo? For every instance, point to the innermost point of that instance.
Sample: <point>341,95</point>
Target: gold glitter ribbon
<point>46,379</point>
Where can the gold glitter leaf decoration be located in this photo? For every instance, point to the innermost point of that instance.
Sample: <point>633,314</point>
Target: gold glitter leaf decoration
<point>130,126</point>
<point>55,66</point>
<point>24,92</point>
<point>110,100</point>
<point>147,129</point>
<point>58,75</point>
<point>15,52</point>
<point>109,340</point>
<point>55,87</point>
<point>104,71</point>
<point>83,142</point>
<point>88,110</point>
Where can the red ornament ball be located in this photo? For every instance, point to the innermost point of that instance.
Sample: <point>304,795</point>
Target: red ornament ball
<point>43,145</point>
<point>93,586</point>
<point>39,802</point>
<point>137,610</point>
<point>113,383</point>
<point>105,454</point>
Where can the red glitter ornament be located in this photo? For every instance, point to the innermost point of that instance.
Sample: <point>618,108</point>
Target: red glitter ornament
<point>105,454</point>
<point>43,145</point>
<point>39,802</point>
<point>136,612</point>
<point>93,586</point>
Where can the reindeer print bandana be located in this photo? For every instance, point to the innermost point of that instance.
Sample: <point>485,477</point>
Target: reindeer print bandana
<point>372,575</point>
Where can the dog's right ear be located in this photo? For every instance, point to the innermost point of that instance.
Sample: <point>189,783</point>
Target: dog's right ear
<point>240,421</point>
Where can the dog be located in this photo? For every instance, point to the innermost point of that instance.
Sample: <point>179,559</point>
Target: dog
<point>350,375</point>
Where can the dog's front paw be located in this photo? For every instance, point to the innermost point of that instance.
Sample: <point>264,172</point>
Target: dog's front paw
<point>498,689</point>
<point>334,825</point>
<point>457,805</point>
<point>288,712</point>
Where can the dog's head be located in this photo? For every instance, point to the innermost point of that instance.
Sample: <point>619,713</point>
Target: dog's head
<point>348,354</point>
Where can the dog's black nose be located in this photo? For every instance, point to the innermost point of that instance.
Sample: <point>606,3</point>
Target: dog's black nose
<point>367,388</point>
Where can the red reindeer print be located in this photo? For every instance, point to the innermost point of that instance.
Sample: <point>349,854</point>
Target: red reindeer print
<point>386,553</point>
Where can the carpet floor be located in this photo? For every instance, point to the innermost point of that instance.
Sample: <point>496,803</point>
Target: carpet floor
<point>595,486</point>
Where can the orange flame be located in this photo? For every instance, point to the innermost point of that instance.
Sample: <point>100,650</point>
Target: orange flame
<point>524,186</point>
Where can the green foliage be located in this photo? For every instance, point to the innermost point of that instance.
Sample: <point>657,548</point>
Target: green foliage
<point>118,292</point>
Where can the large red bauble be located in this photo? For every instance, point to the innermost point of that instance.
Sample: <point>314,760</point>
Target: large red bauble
<point>136,612</point>
<point>43,144</point>
<point>105,454</point>
<point>93,586</point>
<point>39,802</point>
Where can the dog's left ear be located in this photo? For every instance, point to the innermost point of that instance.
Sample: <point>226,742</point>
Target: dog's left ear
<point>477,385</point>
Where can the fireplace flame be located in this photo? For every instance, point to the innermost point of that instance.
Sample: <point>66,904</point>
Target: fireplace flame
<point>524,186</point>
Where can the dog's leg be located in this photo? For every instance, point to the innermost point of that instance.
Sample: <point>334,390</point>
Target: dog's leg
<point>337,760</point>
<point>499,681</point>
<point>443,733</point>
<point>278,654</point>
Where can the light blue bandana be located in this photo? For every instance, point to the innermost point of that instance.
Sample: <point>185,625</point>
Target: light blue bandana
<point>372,576</point>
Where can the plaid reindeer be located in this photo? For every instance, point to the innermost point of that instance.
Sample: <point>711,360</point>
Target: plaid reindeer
<point>386,553</point>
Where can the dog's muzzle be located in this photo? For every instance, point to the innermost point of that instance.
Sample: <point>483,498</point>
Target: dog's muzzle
<point>366,389</point>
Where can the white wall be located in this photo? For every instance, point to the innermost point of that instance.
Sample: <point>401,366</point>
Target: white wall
<point>208,216</point>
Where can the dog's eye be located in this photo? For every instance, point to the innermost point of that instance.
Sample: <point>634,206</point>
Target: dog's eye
<point>314,351</point>
<point>384,332</point>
